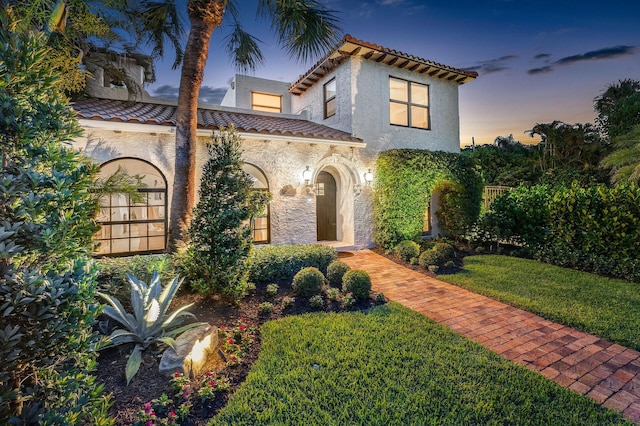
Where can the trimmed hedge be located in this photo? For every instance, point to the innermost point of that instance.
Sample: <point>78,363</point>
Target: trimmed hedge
<point>308,282</point>
<point>280,263</point>
<point>405,181</point>
<point>595,229</point>
<point>407,250</point>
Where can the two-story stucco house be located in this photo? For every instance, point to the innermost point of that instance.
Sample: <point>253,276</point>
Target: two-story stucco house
<point>313,144</point>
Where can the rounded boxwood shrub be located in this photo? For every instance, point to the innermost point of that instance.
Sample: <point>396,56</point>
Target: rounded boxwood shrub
<point>430,257</point>
<point>358,282</point>
<point>407,250</point>
<point>446,249</point>
<point>336,271</point>
<point>308,282</point>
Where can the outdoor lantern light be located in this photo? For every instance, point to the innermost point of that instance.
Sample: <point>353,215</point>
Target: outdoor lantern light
<point>306,175</point>
<point>368,177</point>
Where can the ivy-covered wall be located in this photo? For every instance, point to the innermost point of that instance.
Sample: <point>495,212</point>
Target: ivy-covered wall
<point>405,181</point>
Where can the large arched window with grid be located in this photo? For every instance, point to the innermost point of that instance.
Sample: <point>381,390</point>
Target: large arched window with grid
<point>137,226</point>
<point>259,225</point>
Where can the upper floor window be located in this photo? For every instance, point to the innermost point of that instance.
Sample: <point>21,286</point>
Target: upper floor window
<point>330,98</point>
<point>408,103</point>
<point>266,102</point>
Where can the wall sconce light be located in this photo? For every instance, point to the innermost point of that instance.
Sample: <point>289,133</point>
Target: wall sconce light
<point>307,175</point>
<point>368,177</point>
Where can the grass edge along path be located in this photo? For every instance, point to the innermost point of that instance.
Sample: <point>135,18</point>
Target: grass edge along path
<point>393,366</point>
<point>605,307</point>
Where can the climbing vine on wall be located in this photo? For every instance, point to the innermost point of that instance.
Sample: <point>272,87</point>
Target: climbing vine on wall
<point>405,181</point>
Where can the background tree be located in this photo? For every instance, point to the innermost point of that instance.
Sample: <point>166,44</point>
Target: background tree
<point>618,108</point>
<point>304,28</point>
<point>625,157</point>
<point>220,233</point>
<point>95,31</point>
<point>47,291</point>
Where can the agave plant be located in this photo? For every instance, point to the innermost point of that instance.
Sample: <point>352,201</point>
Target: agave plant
<point>150,322</point>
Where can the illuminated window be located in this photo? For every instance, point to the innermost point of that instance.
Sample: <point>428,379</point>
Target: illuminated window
<point>408,103</point>
<point>260,224</point>
<point>133,226</point>
<point>330,98</point>
<point>266,102</point>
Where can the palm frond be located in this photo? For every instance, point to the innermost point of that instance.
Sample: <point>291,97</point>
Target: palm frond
<point>160,21</point>
<point>306,29</point>
<point>243,49</point>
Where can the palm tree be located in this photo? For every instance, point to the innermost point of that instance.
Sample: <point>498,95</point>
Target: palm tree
<point>618,107</point>
<point>625,158</point>
<point>304,28</point>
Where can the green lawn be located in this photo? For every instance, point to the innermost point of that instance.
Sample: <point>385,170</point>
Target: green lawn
<point>605,307</point>
<point>392,366</point>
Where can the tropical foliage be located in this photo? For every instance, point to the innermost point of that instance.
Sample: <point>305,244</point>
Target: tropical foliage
<point>47,289</point>
<point>405,181</point>
<point>618,108</point>
<point>624,160</point>
<point>150,323</point>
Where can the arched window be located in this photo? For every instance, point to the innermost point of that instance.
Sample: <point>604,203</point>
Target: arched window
<point>259,225</point>
<point>133,226</point>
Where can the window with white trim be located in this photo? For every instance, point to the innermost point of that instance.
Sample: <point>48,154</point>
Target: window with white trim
<point>408,103</point>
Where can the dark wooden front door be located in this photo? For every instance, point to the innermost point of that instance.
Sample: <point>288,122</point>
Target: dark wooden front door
<point>326,207</point>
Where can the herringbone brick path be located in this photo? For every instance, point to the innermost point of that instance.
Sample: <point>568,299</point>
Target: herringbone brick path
<point>606,372</point>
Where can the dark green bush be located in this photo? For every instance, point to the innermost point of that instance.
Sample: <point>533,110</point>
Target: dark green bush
<point>358,282</point>
<point>431,257</point>
<point>112,271</point>
<point>447,250</point>
<point>47,289</point>
<point>335,272</point>
<point>280,263</point>
<point>407,250</point>
<point>308,282</point>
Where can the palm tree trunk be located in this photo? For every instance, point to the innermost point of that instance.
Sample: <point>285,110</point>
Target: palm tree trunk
<point>205,16</point>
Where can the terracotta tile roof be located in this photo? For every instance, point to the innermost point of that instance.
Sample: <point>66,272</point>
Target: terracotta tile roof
<point>150,113</point>
<point>350,46</point>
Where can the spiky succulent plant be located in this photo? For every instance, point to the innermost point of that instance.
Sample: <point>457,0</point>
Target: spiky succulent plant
<point>149,323</point>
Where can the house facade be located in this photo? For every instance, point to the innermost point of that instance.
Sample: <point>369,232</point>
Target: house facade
<point>313,143</point>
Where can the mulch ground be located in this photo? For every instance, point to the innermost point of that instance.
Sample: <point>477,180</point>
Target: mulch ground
<point>149,384</point>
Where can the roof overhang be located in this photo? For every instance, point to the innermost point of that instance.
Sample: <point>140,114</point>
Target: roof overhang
<point>119,126</point>
<point>350,47</point>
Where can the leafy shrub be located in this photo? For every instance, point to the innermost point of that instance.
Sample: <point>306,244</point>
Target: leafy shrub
<point>272,290</point>
<point>316,301</point>
<point>47,289</point>
<point>348,300</point>
<point>288,302</point>
<point>281,263</point>
<point>220,239</point>
<point>407,250</point>
<point>150,322</point>
<point>112,271</point>
<point>265,307</point>
<point>431,257</point>
<point>335,271</point>
<point>333,293</point>
<point>308,282</point>
<point>447,250</point>
<point>357,282</point>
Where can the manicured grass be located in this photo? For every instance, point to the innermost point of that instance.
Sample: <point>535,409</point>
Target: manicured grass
<point>605,307</point>
<point>392,366</point>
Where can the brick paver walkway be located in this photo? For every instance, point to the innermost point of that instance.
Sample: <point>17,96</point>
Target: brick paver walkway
<point>606,372</point>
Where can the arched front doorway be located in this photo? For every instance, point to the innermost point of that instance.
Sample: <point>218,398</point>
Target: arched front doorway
<point>326,207</point>
<point>133,226</point>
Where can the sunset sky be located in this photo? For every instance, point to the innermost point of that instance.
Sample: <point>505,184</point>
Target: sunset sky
<point>538,60</point>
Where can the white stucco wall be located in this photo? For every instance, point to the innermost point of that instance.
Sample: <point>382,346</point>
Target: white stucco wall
<point>239,92</point>
<point>293,218</point>
<point>363,108</point>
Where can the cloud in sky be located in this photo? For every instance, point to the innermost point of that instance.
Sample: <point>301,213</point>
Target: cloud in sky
<point>208,94</point>
<point>593,55</point>
<point>542,56</point>
<point>492,65</point>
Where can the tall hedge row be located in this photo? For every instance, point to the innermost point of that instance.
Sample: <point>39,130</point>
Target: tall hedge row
<point>405,181</point>
<point>594,228</point>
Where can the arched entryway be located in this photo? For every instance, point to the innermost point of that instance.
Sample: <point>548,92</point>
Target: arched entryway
<point>326,207</point>
<point>133,226</point>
